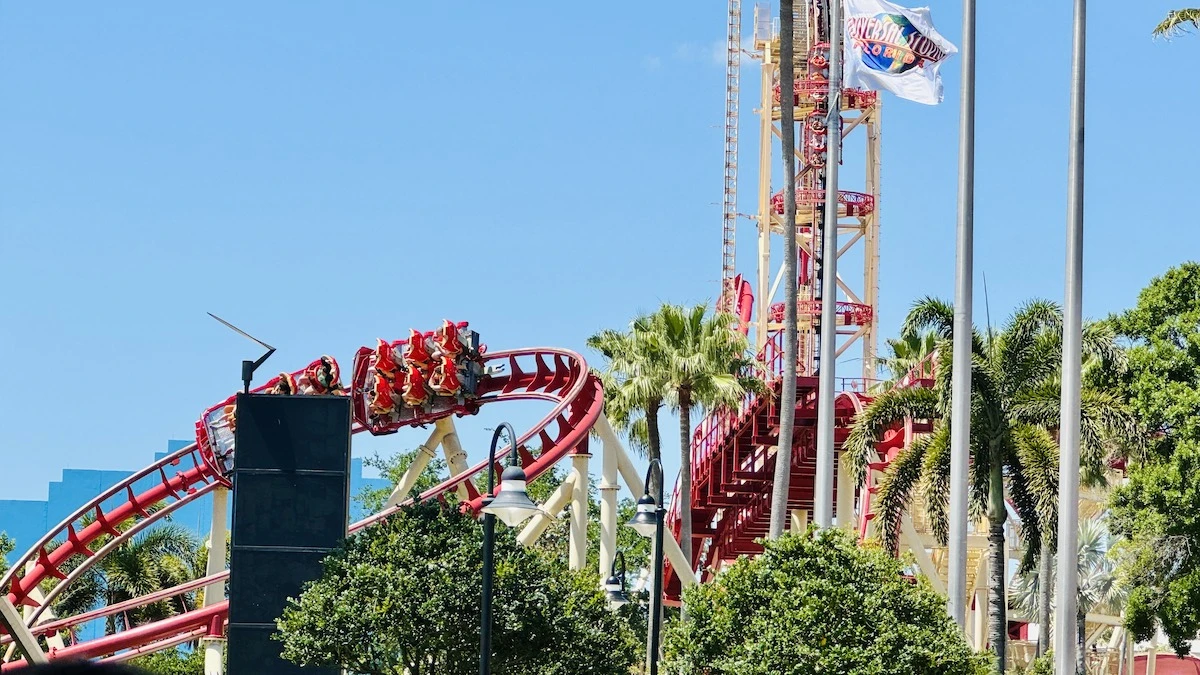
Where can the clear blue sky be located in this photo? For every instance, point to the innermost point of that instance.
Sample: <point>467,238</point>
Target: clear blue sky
<point>327,173</point>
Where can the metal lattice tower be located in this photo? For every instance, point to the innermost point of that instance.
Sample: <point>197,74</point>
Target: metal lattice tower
<point>733,58</point>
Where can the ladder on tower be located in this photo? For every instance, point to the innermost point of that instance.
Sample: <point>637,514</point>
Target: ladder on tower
<point>733,58</point>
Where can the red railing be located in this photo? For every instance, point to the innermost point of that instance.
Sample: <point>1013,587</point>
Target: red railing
<point>854,313</point>
<point>854,203</point>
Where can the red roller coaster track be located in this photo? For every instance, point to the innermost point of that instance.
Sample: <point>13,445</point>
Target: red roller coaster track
<point>558,376</point>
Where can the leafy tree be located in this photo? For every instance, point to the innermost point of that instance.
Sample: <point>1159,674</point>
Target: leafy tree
<point>1162,383</point>
<point>1098,588</point>
<point>908,351</point>
<point>1015,395</point>
<point>818,603</point>
<point>1177,22</point>
<point>393,468</point>
<point>1157,511</point>
<point>171,662</point>
<point>704,364</point>
<point>6,547</point>
<point>634,384</point>
<point>402,596</point>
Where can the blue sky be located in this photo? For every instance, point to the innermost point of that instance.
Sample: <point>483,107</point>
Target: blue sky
<point>323,174</point>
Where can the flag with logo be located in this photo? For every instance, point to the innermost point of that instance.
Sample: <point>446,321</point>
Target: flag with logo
<point>894,48</point>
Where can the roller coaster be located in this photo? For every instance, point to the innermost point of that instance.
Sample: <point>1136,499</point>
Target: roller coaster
<point>410,383</point>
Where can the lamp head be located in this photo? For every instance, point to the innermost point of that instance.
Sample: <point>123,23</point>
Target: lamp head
<point>512,505</point>
<point>645,521</point>
<point>614,590</point>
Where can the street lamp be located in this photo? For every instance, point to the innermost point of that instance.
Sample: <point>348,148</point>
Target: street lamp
<point>512,506</point>
<point>648,521</point>
<point>615,586</point>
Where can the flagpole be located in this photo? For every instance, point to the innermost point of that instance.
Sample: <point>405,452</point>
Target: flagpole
<point>960,385</point>
<point>823,506</point>
<point>1066,599</point>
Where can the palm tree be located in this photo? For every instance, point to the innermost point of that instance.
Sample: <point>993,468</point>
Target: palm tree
<point>1098,588</point>
<point>1177,22</point>
<point>1015,402</point>
<point>907,353</point>
<point>634,383</point>
<point>159,558</point>
<point>705,363</point>
<point>787,422</point>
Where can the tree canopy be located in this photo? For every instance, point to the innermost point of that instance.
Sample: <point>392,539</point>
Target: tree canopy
<point>6,547</point>
<point>403,597</point>
<point>818,603</point>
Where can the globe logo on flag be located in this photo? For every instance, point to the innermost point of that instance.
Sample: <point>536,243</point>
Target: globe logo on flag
<point>895,57</point>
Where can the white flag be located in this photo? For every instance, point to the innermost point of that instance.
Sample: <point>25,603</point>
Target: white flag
<point>894,48</point>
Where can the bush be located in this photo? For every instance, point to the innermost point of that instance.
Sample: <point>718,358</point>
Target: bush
<point>403,597</point>
<point>817,603</point>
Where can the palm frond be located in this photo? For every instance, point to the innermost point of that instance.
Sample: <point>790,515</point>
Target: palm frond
<point>1177,22</point>
<point>882,414</point>
<point>935,483</point>
<point>895,491</point>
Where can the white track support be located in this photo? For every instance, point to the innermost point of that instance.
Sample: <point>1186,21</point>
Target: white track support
<point>555,503</point>
<point>53,640</point>
<point>633,481</point>
<point>214,645</point>
<point>799,521</point>
<point>608,500</point>
<point>579,512</point>
<point>22,638</point>
<point>456,457</point>
<point>910,538</point>
<point>845,516</point>
<point>425,453</point>
<point>980,615</point>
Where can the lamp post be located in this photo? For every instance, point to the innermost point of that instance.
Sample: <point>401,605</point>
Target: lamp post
<point>614,587</point>
<point>512,506</point>
<point>648,521</point>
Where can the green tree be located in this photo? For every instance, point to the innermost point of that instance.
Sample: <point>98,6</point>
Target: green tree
<point>1015,413</point>
<point>704,364</point>
<point>6,547</point>
<point>171,662</point>
<point>402,597</point>
<point>1162,383</point>
<point>1157,511</point>
<point>159,558</point>
<point>1098,588</point>
<point>818,603</point>
<point>908,351</point>
<point>1177,22</point>
<point>634,384</point>
<point>392,468</point>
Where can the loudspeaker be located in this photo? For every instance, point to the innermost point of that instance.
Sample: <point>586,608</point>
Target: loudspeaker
<point>291,501</point>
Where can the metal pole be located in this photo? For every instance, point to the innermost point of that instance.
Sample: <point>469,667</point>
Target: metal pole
<point>656,587</point>
<point>1068,472</point>
<point>823,505</point>
<point>489,536</point>
<point>960,413</point>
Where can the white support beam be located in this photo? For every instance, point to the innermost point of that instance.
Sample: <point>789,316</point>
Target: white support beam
<point>909,537</point>
<point>456,457</point>
<point>22,638</point>
<point>579,512</point>
<point>609,489</point>
<point>555,503</point>
<point>218,535</point>
<point>634,482</point>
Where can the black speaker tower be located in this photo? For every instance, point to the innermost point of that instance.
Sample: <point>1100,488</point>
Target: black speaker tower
<point>291,492</point>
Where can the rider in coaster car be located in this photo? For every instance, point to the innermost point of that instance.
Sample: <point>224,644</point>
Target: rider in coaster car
<point>286,386</point>
<point>324,376</point>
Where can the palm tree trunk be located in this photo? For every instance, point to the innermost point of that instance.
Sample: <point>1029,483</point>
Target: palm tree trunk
<point>654,449</point>
<point>685,473</point>
<point>997,599</point>
<point>1045,586</point>
<point>787,405</point>
<point>1080,639</point>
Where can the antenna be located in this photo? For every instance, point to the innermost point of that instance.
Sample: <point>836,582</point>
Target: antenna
<point>248,367</point>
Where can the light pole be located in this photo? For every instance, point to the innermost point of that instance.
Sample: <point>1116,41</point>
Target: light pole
<point>648,521</point>
<point>512,506</point>
<point>614,587</point>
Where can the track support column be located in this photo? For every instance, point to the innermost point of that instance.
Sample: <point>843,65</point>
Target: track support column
<point>579,511</point>
<point>456,457</point>
<point>214,642</point>
<point>608,499</point>
<point>23,639</point>
<point>425,454</point>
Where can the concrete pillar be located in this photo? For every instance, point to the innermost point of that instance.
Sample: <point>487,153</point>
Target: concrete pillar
<point>557,501</point>
<point>845,496</point>
<point>425,454</point>
<point>980,622</point>
<point>799,520</point>
<point>579,512</point>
